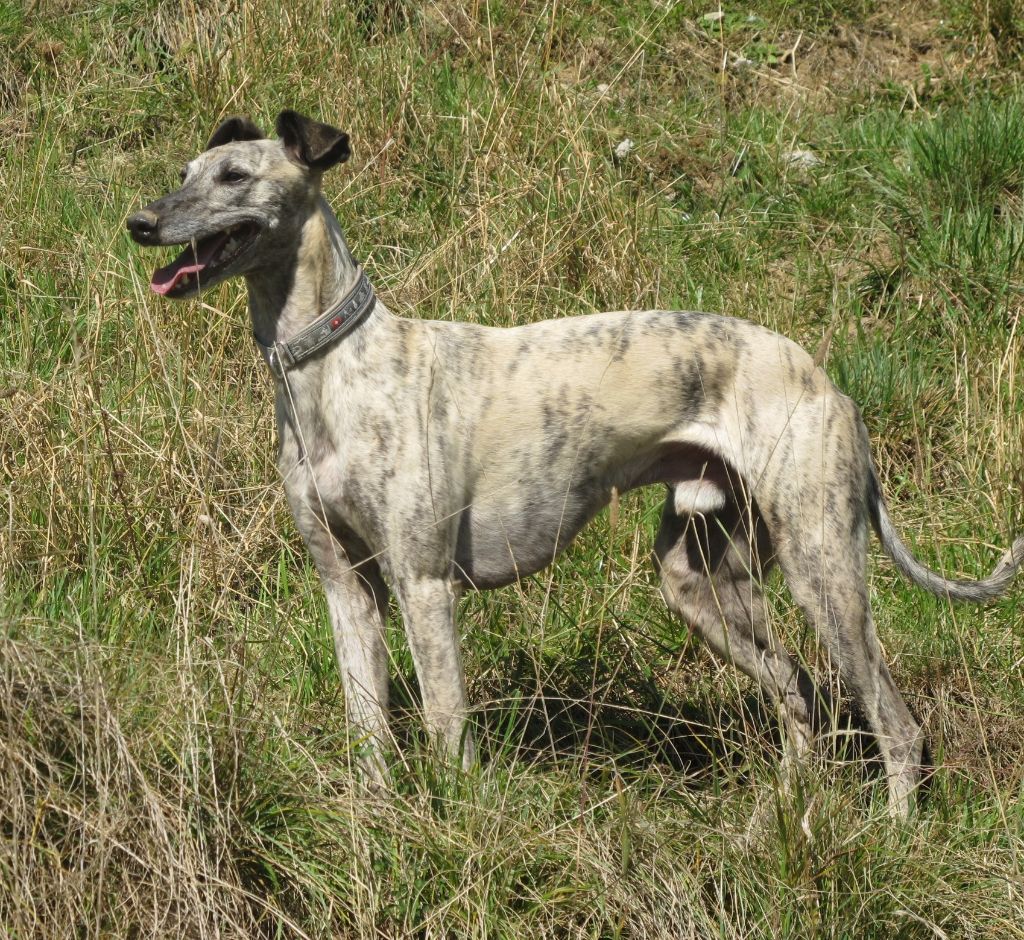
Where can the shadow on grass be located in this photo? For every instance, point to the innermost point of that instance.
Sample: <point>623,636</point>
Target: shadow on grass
<point>633,724</point>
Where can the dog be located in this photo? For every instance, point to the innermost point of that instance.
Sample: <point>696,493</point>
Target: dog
<point>434,457</point>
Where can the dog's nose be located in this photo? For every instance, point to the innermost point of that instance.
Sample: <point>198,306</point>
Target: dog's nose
<point>143,226</point>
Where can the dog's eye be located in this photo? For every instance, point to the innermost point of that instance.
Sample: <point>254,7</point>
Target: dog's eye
<point>182,174</point>
<point>233,176</point>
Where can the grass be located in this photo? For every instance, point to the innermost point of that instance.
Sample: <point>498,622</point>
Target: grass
<point>173,749</point>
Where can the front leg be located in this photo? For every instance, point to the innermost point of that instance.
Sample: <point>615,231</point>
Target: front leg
<point>428,608</point>
<point>357,600</point>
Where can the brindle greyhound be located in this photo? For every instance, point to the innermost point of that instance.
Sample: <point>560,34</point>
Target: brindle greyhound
<point>439,456</point>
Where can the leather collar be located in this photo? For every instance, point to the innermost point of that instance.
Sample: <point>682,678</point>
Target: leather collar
<point>322,332</point>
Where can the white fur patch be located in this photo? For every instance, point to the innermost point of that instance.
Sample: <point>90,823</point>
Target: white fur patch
<point>698,496</point>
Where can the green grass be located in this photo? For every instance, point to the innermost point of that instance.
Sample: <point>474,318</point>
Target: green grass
<point>174,758</point>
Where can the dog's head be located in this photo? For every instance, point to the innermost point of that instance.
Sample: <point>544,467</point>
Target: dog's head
<point>239,200</point>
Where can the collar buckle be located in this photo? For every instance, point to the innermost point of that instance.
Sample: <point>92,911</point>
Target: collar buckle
<point>274,362</point>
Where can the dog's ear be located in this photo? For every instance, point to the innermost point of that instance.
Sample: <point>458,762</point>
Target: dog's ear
<point>232,129</point>
<point>315,145</point>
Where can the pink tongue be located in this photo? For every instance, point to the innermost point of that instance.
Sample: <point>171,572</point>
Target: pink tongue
<point>186,263</point>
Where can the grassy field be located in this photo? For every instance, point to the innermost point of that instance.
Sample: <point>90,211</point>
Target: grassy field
<point>173,755</point>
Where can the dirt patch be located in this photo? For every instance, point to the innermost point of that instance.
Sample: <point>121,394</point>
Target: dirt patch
<point>915,59</point>
<point>911,54</point>
<point>978,736</point>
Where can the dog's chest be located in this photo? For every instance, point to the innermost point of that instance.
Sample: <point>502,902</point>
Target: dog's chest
<point>326,486</point>
<point>312,464</point>
<point>337,457</point>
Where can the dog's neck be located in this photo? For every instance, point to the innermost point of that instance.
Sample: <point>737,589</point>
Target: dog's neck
<point>314,273</point>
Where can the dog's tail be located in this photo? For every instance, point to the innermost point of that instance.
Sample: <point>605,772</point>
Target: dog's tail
<point>960,590</point>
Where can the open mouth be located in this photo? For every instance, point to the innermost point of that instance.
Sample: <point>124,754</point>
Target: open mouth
<point>204,260</point>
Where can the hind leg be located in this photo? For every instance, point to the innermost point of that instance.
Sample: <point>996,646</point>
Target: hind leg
<point>826,574</point>
<point>710,566</point>
<point>818,518</point>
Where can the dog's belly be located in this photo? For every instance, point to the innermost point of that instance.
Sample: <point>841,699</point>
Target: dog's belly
<point>517,527</point>
<point>501,539</point>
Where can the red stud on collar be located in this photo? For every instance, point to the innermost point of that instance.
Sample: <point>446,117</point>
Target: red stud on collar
<point>336,322</point>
